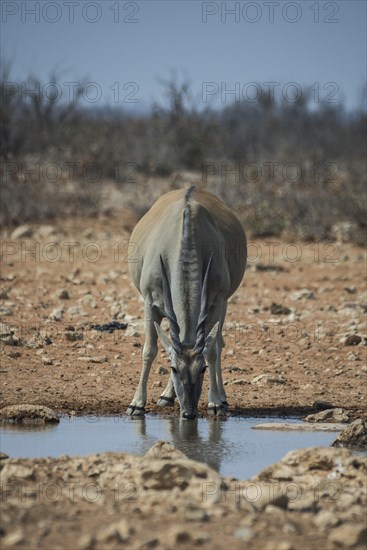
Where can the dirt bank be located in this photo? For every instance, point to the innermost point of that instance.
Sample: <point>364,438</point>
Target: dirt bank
<point>288,321</point>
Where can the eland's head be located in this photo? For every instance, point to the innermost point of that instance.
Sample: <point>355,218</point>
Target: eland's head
<point>188,361</point>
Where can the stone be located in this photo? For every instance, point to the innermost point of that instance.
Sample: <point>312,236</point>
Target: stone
<point>95,359</point>
<point>329,415</point>
<point>57,314</point>
<point>73,335</point>
<point>115,532</point>
<point>326,519</point>
<point>62,294</point>
<point>239,382</point>
<point>353,340</point>
<point>14,538</point>
<point>244,533</point>
<point>264,379</point>
<point>278,309</point>
<point>353,436</point>
<point>303,293</point>
<point>264,494</point>
<point>22,232</point>
<point>350,535</point>
<point>46,231</point>
<point>46,360</point>
<point>28,414</point>
<point>162,450</point>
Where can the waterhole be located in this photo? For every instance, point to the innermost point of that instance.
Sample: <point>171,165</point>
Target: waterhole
<point>230,446</point>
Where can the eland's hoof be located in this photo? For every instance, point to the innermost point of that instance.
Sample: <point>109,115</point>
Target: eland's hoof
<point>135,410</point>
<point>165,401</point>
<point>217,410</point>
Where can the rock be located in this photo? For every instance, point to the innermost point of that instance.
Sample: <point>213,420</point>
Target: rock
<point>194,513</point>
<point>264,494</point>
<point>5,310</point>
<point>353,356</point>
<point>28,414</point>
<point>62,294</point>
<point>74,311</point>
<point>86,542</point>
<point>57,314</point>
<point>352,340</point>
<point>161,370</point>
<point>350,535</point>
<point>303,293</point>
<point>329,415</point>
<point>14,354</point>
<point>116,532</point>
<point>178,535</point>
<point>88,300</point>
<point>264,379</point>
<point>239,382</point>
<point>8,339</point>
<point>22,232</point>
<point>95,359</point>
<point>244,533</point>
<point>326,519</point>
<point>321,405</point>
<point>46,231</point>
<point>14,538</point>
<point>278,309</point>
<point>46,360</point>
<point>162,450</point>
<point>73,336</point>
<point>353,436</point>
<point>344,232</point>
<point>301,426</point>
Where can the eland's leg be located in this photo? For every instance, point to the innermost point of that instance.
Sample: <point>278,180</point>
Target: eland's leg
<point>150,349</point>
<point>217,399</point>
<point>167,398</point>
<point>215,405</point>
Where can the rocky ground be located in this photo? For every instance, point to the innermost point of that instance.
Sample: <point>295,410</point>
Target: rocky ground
<point>295,331</point>
<point>295,343</point>
<point>312,499</point>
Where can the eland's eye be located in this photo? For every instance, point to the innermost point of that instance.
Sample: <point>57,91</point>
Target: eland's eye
<point>174,370</point>
<point>203,369</point>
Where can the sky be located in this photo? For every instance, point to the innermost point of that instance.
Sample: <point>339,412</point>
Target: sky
<point>226,50</point>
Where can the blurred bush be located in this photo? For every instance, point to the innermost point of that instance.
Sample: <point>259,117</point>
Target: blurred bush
<point>286,168</point>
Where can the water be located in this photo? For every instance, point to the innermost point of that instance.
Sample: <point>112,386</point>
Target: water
<point>230,446</point>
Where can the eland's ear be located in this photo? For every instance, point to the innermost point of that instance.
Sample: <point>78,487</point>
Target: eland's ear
<point>165,341</point>
<point>211,338</point>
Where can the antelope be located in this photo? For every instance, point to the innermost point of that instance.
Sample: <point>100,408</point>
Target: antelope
<point>192,256</point>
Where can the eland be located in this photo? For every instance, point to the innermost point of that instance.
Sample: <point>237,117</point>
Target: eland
<point>191,257</point>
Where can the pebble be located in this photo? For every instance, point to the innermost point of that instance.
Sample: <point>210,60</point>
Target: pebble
<point>22,232</point>
<point>244,533</point>
<point>57,314</point>
<point>94,359</point>
<point>14,538</point>
<point>73,336</point>
<point>263,379</point>
<point>350,535</point>
<point>62,294</point>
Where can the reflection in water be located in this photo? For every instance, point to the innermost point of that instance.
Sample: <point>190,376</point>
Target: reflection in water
<point>19,427</point>
<point>202,441</point>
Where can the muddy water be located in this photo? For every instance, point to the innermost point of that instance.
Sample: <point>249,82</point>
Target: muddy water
<point>230,446</point>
